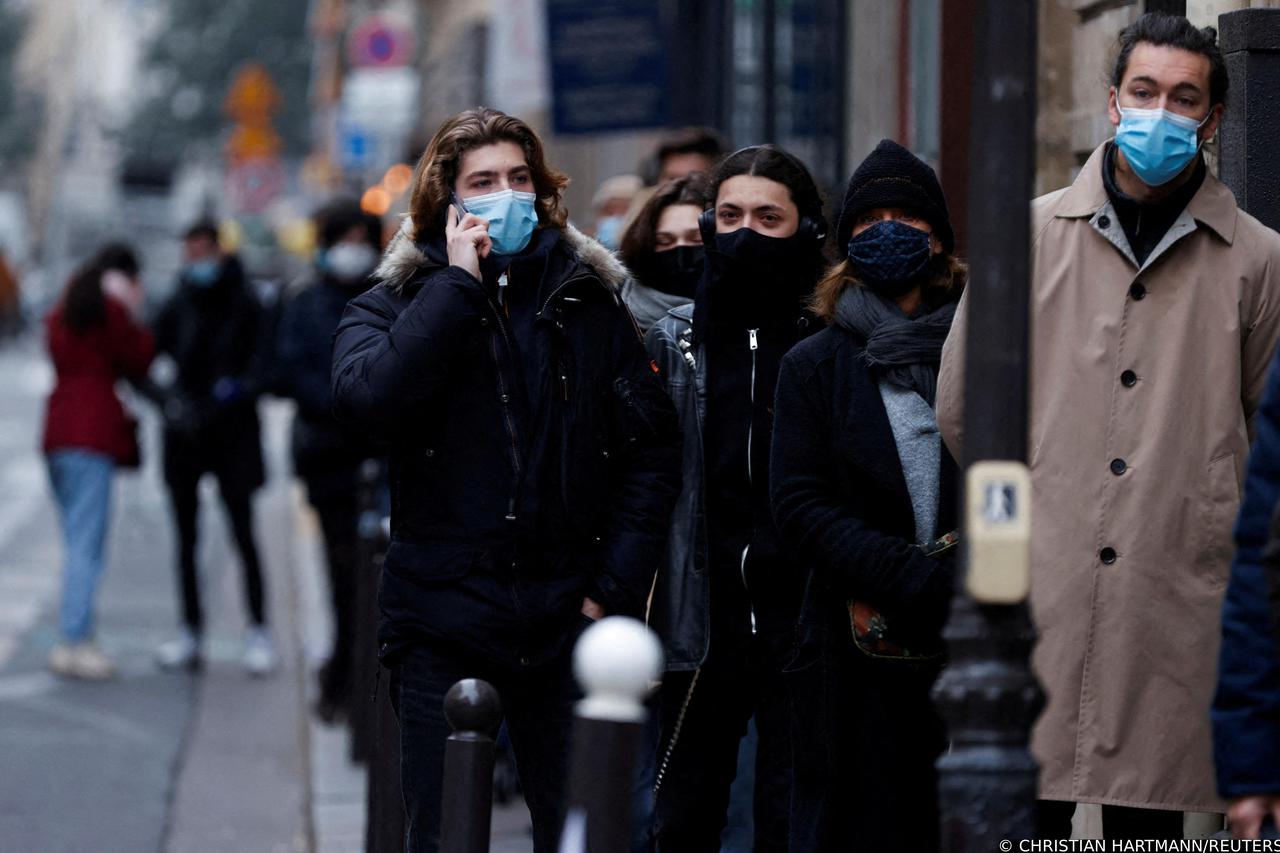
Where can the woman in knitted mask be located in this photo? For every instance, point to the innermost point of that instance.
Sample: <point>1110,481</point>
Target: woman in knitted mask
<point>865,491</point>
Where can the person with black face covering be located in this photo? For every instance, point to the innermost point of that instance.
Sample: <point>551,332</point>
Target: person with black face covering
<point>865,493</point>
<point>663,250</point>
<point>326,455</point>
<point>725,603</point>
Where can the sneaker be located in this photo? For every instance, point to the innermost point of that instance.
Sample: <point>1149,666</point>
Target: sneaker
<point>81,660</point>
<point>180,653</point>
<point>259,657</point>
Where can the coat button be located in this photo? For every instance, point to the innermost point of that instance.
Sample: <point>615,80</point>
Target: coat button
<point>484,322</point>
<point>1118,467</point>
<point>505,398</point>
<point>1107,555</point>
<point>431,454</point>
<point>1104,222</point>
<point>1138,291</point>
<point>1128,379</point>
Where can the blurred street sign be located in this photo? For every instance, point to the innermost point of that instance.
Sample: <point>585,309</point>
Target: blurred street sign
<point>356,148</point>
<point>380,42</point>
<point>515,57</point>
<point>608,65</point>
<point>252,101</point>
<point>252,185</point>
<point>381,100</point>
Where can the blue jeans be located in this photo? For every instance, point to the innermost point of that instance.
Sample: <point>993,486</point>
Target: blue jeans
<point>82,487</point>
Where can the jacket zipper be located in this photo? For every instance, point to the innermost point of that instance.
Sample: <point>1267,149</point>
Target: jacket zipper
<point>754,342</point>
<point>505,398</point>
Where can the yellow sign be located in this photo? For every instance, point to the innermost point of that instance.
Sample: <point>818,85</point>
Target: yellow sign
<point>252,101</point>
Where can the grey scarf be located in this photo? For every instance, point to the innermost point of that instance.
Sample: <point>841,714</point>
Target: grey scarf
<point>906,351</point>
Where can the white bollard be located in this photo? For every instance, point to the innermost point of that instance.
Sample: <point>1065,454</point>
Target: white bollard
<point>616,660</point>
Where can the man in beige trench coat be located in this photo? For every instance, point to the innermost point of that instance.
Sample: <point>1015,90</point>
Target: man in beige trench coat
<point>1155,310</point>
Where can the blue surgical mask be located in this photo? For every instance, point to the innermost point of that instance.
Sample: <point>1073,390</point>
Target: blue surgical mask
<point>609,231</point>
<point>511,217</point>
<point>891,257</point>
<point>1157,144</point>
<point>202,273</point>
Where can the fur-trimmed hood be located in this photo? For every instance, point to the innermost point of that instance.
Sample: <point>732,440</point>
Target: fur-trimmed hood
<point>404,259</point>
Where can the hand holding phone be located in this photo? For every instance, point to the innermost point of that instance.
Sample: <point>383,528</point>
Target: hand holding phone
<point>466,238</point>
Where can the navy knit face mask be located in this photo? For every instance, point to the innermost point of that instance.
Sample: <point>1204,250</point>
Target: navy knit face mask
<point>891,257</point>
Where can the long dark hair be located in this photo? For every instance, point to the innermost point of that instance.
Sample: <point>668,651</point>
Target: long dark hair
<point>84,306</point>
<point>638,242</point>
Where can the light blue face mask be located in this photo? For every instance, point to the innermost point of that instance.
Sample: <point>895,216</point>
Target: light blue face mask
<point>511,216</point>
<point>609,231</point>
<point>1158,144</point>
<point>202,273</point>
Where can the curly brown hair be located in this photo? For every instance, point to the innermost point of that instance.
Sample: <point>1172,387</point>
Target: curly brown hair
<point>437,169</point>
<point>638,242</point>
<point>947,279</point>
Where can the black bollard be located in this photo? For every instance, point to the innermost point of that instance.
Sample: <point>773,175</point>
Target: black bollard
<point>616,661</point>
<point>473,710</point>
<point>370,548</point>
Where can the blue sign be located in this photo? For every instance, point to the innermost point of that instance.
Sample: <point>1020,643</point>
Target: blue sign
<point>356,149</point>
<point>608,63</point>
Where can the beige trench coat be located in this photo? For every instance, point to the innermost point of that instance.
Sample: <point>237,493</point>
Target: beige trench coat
<point>1136,480</point>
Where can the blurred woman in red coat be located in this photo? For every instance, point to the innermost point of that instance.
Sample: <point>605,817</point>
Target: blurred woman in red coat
<point>95,340</point>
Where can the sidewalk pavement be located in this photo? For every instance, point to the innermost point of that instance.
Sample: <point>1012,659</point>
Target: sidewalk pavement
<point>157,761</point>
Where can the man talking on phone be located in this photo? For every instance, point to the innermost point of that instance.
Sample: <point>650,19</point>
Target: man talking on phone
<point>534,456</point>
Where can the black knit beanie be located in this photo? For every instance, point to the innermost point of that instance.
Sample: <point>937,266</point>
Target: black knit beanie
<point>892,176</point>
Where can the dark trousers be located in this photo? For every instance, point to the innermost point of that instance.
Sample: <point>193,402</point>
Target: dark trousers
<point>537,703</point>
<point>238,502</point>
<point>1119,823</point>
<point>691,806</point>
<point>338,519</point>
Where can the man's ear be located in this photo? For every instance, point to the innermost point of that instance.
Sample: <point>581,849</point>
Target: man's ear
<point>1210,129</point>
<point>1113,107</point>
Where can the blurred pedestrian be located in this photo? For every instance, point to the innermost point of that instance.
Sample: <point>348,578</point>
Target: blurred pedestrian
<point>864,489</point>
<point>534,457</point>
<point>724,603</point>
<point>663,250</point>
<point>685,151</point>
<point>95,340</point>
<point>1246,707</point>
<point>1156,308</point>
<point>610,205</point>
<point>10,299</point>
<point>211,327</point>
<point>326,455</point>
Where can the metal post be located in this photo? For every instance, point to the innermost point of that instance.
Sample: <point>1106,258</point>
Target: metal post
<point>615,660</point>
<point>474,711</point>
<point>1250,42</point>
<point>364,651</point>
<point>987,782</point>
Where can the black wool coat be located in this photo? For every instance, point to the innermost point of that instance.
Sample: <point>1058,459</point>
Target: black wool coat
<point>326,454</point>
<point>865,734</point>
<point>509,504</point>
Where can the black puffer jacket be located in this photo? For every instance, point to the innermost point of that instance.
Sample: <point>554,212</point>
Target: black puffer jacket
<point>508,507</point>
<point>215,336</point>
<point>326,454</point>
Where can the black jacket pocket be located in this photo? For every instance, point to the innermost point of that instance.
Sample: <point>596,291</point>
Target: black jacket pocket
<point>432,562</point>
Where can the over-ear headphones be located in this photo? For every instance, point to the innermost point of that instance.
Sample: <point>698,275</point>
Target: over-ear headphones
<point>814,228</point>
